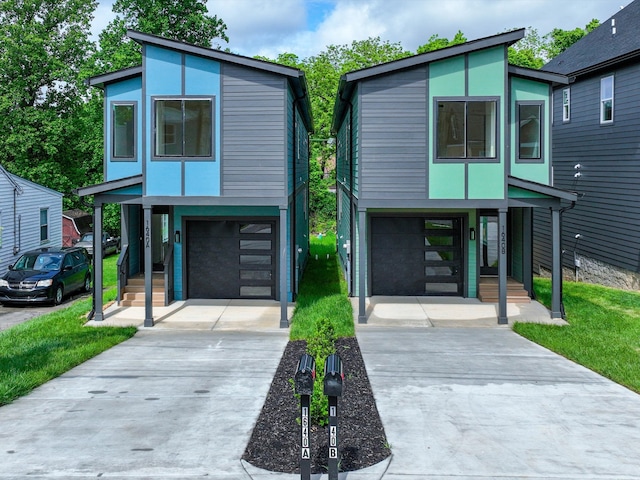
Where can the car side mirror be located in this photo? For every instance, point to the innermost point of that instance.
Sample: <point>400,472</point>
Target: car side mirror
<point>10,267</point>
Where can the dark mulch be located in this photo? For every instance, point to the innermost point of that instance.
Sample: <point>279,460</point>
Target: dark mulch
<point>275,441</point>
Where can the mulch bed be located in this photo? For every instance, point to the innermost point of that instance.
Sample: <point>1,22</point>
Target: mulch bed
<point>275,442</point>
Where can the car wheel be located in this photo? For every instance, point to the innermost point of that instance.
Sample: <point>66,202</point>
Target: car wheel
<point>57,299</point>
<point>87,284</point>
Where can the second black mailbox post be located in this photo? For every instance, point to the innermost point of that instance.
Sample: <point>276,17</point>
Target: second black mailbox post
<point>333,378</point>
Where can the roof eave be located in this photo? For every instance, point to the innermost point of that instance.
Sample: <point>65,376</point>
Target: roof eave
<point>109,186</point>
<point>101,80</point>
<point>542,189</point>
<point>548,77</point>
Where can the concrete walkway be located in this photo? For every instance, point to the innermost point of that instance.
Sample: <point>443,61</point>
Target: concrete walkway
<point>179,401</point>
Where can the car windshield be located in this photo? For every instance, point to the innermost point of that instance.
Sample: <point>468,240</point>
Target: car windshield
<point>87,237</point>
<point>39,261</point>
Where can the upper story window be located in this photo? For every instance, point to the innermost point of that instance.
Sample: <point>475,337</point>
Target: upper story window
<point>183,127</point>
<point>44,224</point>
<point>466,129</point>
<point>606,99</point>
<point>123,115</point>
<point>566,104</point>
<point>529,131</point>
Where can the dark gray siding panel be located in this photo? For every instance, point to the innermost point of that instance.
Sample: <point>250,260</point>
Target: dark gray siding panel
<point>254,122</point>
<point>394,136</point>
<point>607,215</point>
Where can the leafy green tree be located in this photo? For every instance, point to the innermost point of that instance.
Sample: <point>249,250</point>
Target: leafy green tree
<point>529,52</point>
<point>559,40</point>
<point>436,42</point>
<point>43,47</point>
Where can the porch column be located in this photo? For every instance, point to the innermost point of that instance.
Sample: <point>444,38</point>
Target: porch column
<point>284,320</point>
<point>556,265</point>
<point>502,267</point>
<point>362,266</point>
<point>148,268</point>
<point>97,263</point>
<point>527,249</point>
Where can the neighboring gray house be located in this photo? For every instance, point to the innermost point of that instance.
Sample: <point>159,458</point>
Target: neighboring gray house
<point>30,217</point>
<point>596,152</point>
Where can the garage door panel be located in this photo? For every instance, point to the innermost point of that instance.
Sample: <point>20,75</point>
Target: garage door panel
<point>231,259</point>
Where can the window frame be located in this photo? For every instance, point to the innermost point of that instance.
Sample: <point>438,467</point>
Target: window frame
<point>182,99</point>
<point>466,159</point>
<point>540,158</point>
<point>603,99</point>
<point>566,105</point>
<point>123,158</point>
<point>44,227</point>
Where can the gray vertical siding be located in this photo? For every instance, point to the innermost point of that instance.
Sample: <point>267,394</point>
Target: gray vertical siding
<point>393,142</point>
<point>607,215</point>
<point>254,122</point>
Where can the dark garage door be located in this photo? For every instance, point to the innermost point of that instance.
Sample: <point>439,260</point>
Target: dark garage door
<point>416,256</point>
<point>231,259</point>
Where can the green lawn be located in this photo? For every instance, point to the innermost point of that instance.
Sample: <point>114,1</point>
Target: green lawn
<point>603,332</point>
<point>38,350</point>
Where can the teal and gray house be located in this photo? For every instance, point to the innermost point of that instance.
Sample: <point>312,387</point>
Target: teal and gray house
<point>206,152</point>
<point>441,159</point>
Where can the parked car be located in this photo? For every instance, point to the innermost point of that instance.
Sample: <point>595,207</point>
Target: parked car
<point>46,276</point>
<point>110,244</point>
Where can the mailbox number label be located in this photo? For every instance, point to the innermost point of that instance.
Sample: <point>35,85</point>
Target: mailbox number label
<point>333,452</point>
<point>304,414</point>
<point>333,437</point>
<point>332,411</point>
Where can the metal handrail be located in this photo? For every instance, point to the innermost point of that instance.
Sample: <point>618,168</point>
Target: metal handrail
<point>123,271</point>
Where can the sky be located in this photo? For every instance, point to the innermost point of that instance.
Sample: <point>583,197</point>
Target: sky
<point>306,27</point>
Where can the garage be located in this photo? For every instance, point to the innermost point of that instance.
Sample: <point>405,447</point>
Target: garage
<point>231,258</point>
<point>417,256</point>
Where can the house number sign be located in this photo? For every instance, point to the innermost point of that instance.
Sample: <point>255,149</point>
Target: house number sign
<point>147,235</point>
<point>503,241</point>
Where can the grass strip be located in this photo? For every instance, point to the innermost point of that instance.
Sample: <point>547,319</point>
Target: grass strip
<point>45,347</point>
<point>603,332</point>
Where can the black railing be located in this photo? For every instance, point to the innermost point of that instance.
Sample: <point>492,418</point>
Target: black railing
<point>123,271</point>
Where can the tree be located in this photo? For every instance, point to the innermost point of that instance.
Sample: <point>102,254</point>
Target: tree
<point>184,20</point>
<point>436,42</point>
<point>528,52</point>
<point>43,47</point>
<point>559,40</point>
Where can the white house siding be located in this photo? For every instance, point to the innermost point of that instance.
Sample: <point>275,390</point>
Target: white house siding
<point>20,225</point>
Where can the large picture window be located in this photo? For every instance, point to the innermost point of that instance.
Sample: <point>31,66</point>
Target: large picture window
<point>184,127</point>
<point>123,130</point>
<point>466,129</point>
<point>606,99</point>
<point>529,131</point>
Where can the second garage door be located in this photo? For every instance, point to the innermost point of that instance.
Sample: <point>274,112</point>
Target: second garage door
<point>231,259</point>
<point>417,256</point>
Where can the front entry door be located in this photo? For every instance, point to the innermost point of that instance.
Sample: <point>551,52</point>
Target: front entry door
<point>489,244</point>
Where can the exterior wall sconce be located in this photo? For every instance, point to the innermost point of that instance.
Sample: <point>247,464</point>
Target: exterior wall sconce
<point>177,237</point>
<point>472,234</point>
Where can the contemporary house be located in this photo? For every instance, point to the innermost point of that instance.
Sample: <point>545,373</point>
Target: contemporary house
<point>596,140</point>
<point>207,154</point>
<point>441,159</point>
<point>30,217</point>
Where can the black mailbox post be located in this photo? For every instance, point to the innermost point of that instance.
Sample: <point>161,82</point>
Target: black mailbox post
<point>303,383</point>
<point>333,379</point>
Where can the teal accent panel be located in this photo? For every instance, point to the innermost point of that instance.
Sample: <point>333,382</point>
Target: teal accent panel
<point>125,91</point>
<point>202,178</point>
<point>164,178</point>
<point>134,190</point>
<point>446,181</point>
<point>515,192</point>
<point>447,78</point>
<point>486,181</point>
<point>530,90</point>
<point>517,254</point>
<point>486,72</point>
<point>209,211</point>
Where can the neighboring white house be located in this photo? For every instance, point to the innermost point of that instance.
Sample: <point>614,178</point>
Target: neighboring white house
<point>30,217</point>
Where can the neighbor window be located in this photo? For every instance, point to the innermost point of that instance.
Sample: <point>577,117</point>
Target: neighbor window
<point>606,99</point>
<point>123,131</point>
<point>566,104</point>
<point>529,131</point>
<point>44,224</point>
<point>183,128</point>
<point>466,129</point>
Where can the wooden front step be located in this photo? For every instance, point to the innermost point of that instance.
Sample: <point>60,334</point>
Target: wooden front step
<point>488,291</point>
<point>134,294</point>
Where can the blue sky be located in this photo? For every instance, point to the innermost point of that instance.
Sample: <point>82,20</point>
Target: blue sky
<point>306,27</point>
